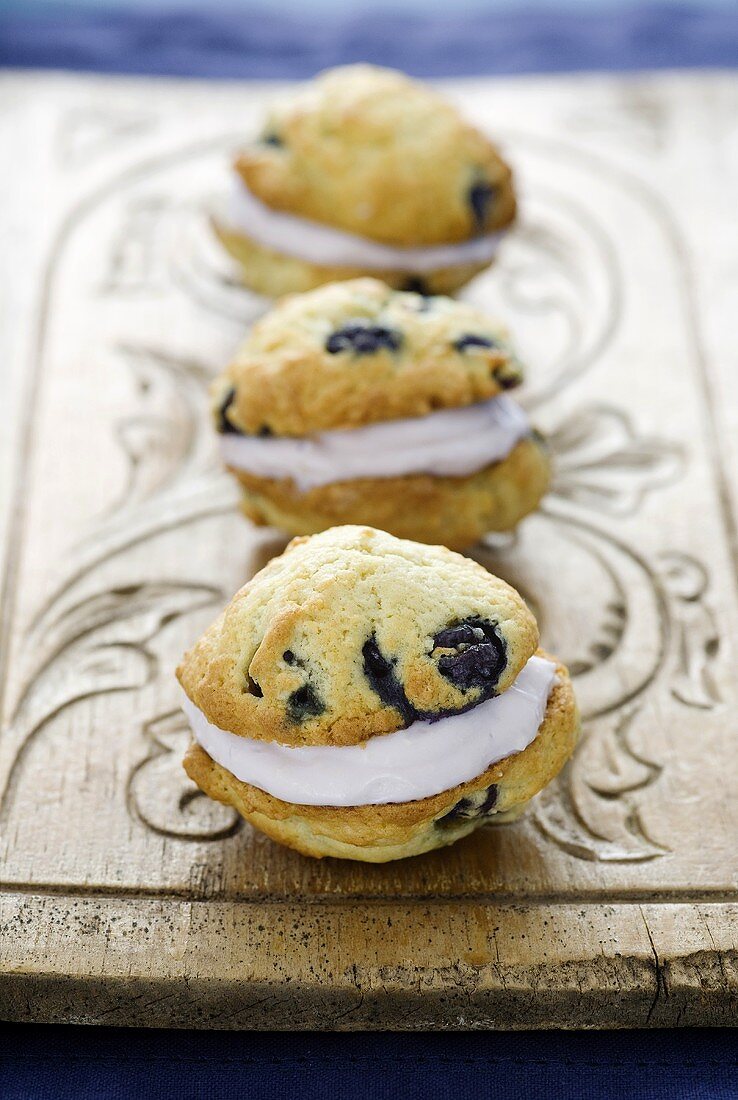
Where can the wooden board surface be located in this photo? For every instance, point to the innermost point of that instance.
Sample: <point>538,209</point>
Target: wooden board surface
<point>130,898</point>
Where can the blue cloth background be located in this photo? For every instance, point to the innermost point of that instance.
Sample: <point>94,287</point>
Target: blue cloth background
<point>462,37</point>
<point>281,40</point>
<point>53,1063</point>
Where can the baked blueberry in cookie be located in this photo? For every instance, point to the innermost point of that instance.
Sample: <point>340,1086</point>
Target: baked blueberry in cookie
<point>380,673</point>
<point>362,339</point>
<point>473,340</point>
<point>472,654</point>
<point>357,403</point>
<point>402,698</point>
<point>482,804</point>
<point>224,425</point>
<point>366,172</point>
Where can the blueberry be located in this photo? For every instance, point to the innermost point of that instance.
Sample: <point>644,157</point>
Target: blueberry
<point>481,196</point>
<point>490,800</point>
<point>470,340</point>
<point>380,672</point>
<point>362,338</point>
<point>288,657</point>
<point>304,703</point>
<point>416,285</point>
<point>507,377</point>
<point>224,425</point>
<point>469,809</point>
<point>477,662</point>
<point>508,373</point>
<point>461,809</point>
<point>479,658</point>
<point>252,687</point>
<point>461,634</point>
<point>272,139</point>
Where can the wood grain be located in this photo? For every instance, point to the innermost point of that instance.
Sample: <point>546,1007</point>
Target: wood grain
<point>130,898</point>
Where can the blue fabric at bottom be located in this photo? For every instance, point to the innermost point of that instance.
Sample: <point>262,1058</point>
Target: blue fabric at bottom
<point>39,1063</point>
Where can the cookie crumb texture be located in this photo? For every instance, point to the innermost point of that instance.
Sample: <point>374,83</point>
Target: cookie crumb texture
<point>371,152</point>
<point>352,634</point>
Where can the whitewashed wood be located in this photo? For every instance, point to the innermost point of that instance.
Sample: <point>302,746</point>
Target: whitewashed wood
<point>130,898</point>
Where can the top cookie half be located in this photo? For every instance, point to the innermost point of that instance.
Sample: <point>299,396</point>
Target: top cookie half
<point>355,353</point>
<point>371,152</point>
<point>352,633</point>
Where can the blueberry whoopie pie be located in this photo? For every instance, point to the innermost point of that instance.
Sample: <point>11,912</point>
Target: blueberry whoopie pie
<point>364,171</point>
<point>356,403</point>
<point>402,699</point>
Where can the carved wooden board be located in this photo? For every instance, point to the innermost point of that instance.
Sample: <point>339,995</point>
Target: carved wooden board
<point>130,898</point>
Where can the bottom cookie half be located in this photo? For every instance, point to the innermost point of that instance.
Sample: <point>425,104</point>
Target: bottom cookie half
<point>452,511</point>
<point>274,274</point>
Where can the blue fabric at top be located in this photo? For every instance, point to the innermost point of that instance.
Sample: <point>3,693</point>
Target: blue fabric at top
<point>280,42</point>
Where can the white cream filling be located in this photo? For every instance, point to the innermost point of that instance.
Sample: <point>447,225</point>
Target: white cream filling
<point>449,443</point>
<point>417,762</point>
<point>322,244</point>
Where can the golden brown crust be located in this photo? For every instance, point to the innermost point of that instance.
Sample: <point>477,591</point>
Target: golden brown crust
<point>370,151</point>
<point>393,831</point>
<point>275,274</point>
<point>298,630</point>
<point>291,377</point>
<point>455,512</point>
